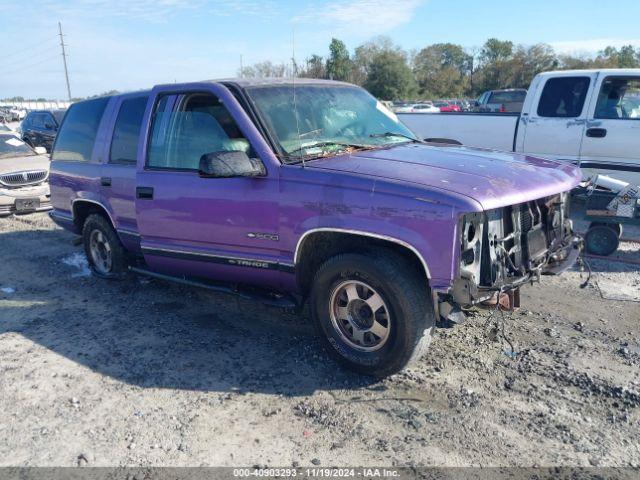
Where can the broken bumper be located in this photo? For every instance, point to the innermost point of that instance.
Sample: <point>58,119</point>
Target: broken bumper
<point>566,258</point>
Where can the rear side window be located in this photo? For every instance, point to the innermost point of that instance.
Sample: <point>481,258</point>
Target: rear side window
<point>124,144</point>
<point>78,132</point>
<point>619,99</point>
<point>37,120</point>
<point>563,97</point>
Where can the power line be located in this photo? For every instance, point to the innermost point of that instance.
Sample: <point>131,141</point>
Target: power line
<point>21,62</point>
<point>20,52</point>
<point>27,67</point>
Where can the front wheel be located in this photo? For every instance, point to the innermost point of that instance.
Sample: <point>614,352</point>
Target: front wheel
<point>105,253</point>
<point>373,312</point>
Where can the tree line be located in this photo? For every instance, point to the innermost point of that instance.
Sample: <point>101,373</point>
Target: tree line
<point>441,70</point>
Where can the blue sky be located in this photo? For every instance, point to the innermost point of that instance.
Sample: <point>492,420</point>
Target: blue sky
<point>133,44</point>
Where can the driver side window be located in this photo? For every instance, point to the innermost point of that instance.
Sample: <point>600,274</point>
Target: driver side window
<point>186,127</point>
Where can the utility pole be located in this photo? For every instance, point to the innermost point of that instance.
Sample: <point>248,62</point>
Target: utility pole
<point>64,61</point>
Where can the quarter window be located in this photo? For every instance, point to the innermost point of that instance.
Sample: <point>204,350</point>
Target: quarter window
<point>619,99</point>
<point>124,144</point>
<point>563,97</point>
<point>199,125</point>
<point>78,131</point>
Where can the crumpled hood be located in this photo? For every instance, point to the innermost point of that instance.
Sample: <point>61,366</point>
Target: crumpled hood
<point>493,179</point>
<point>22,163</point>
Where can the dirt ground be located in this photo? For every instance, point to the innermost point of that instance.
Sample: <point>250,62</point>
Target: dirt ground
<point>141,372</point>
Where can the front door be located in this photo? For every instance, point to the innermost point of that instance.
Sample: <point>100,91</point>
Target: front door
<point>553,127</point>
<point>612,139</point>
<point>218,228</point>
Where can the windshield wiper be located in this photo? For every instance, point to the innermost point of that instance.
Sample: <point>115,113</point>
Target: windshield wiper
<point>324,143</point>
<point>394,134</point>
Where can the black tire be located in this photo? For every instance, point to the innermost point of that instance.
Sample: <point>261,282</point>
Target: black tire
<point>406,295</point>
<point>98,225</point>
<point>601,240</point>
<point>617,227</point>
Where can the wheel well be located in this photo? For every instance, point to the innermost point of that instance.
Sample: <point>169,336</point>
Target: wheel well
<point>82,209</point>
<point>317,248</point>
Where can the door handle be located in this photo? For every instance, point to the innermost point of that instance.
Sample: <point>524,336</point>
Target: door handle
<point>105,181</point>
<point>596,132</point>
<point>144,193</point>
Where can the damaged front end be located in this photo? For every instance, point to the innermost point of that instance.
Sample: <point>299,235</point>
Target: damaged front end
<point>504,248</point>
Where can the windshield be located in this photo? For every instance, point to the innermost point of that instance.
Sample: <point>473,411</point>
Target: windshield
<point>11,146</point>
<point>330,119</point>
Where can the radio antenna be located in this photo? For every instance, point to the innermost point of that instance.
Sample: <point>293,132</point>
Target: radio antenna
<point>293,83</point>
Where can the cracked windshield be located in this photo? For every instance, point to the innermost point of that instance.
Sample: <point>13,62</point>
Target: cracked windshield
<point>330,120</point>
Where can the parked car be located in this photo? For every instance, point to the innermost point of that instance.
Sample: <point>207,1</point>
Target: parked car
<point>509,100</point>
<point>426,107</point>
<point>402,107</point>
<point>20,112</point>
<point>463,105</point>
<point>446,106</point>
<point>585,116</point>
<point>332,200</point>
<point>23,176</point>
<point>6,115</point>
<point>39,127</point>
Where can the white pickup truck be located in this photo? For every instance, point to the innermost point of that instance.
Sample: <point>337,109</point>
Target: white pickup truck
<point>591,117</point>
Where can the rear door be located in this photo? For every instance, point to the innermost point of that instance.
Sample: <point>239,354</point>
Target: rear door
<point>218,228</point>
<point>612,138</point>
<point>118,174</point>
<point>555,122</point>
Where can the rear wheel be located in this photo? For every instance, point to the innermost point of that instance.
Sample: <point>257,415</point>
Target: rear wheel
<point>373,312</point>
<point>105,254</point>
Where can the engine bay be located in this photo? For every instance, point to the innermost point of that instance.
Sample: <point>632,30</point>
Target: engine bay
<point>504,248</point>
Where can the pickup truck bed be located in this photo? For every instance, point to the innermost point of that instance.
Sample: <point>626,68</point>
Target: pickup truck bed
<point>590,117</point>
<point>483,130</point>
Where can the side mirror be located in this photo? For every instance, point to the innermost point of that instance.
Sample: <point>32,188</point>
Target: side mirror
<point>40,150</point>
<point>230,164</point>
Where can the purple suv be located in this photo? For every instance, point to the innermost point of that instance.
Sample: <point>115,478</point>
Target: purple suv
<point>313,191</point>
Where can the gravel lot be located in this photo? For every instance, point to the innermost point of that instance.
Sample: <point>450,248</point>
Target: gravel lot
<point>142,372</point>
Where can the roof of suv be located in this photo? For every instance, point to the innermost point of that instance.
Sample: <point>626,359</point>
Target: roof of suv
<point>240,82</point>
<point>254,82</point>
